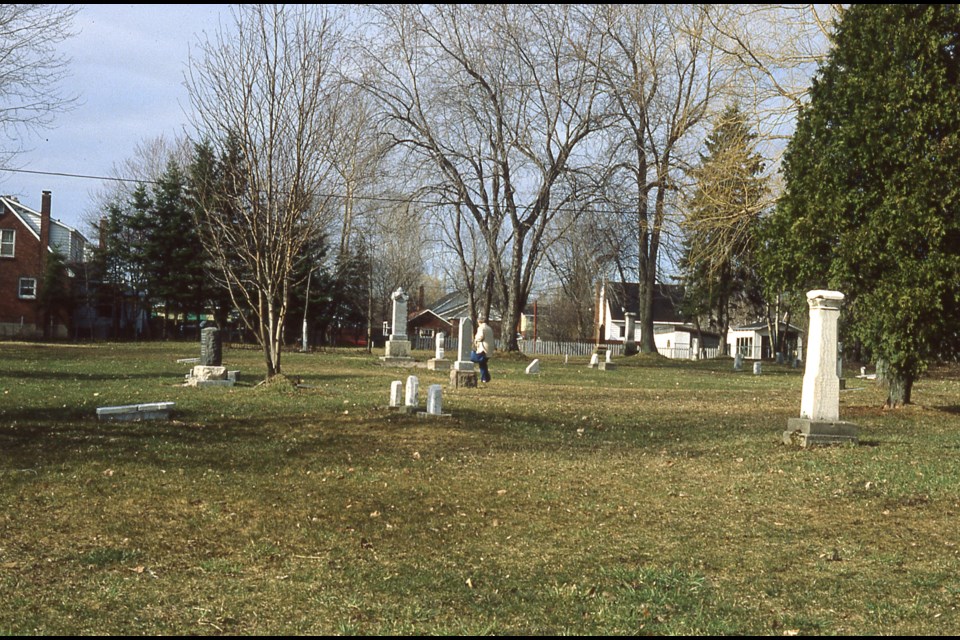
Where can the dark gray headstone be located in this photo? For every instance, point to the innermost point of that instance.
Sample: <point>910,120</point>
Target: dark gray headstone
<point>211,347</point>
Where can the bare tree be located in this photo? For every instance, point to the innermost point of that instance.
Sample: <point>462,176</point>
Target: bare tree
<point>267,88</point>
<point>497,101</point>
<point>663,75</point>
<point>146,165</point>
<point>31,70</point>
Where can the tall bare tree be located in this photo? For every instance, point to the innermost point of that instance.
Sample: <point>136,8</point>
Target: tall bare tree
<point>267,86</point>
<point>662,74</point>
<point>31,70</point>
<point>497,100</point>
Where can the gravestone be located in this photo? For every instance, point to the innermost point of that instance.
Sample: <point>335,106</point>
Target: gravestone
<point>630,340</point>
<point>607,364</point>
<point>211,347</point>
<point>396,393</point>
<point>413,391</point>
<point>437,362</point>
<point>462,373</point>
<point>594,361</point>
<point>738,362</point>
<point>757,368</point>
<point>435,400</point>
<point>819,421</point>
<point>397,349</point>
<point>533,367</point>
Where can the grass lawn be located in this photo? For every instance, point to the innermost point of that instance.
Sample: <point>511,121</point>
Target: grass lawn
<point>653,499</point>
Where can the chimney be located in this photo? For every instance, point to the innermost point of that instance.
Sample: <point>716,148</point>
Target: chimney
<point>44,228</point>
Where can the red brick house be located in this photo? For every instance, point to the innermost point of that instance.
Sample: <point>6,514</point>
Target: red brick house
<point>27,239</point>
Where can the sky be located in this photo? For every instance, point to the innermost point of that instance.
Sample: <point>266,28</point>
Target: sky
<point>127,70</point>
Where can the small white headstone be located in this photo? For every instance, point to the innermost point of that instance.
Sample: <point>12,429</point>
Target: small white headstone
<point>594,361</point>
<point>608,356</point>
<point>738,362</point>
<point>396,393</point>
<point>534,367</point>
<point>438,345</point>
<point>413,391</point>
<point>756,368</point>
<point>435,400</point>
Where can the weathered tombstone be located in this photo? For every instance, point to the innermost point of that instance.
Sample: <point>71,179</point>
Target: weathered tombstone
<point>533,367</point>
<point>819,421</point>
<point>435,400</point>
<point>462,374</point>
<point>757,368</point>
<point>630,339</point>
<point>396,393</point>
<point>738,362</point>
<point>398,347</point>
<point>438,363</point>
<point>594,361</point>
<point>780,359</point>
<point>211,347</point>
<point>413,391</point>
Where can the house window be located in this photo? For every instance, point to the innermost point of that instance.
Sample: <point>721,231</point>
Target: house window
<point>28,288</point>
<point>7,242</point>
<point>745,346</point>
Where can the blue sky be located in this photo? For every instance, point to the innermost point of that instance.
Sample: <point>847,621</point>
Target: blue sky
<point>127,70</point>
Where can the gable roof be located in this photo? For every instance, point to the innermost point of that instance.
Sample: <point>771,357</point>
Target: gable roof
<point>454,305</point>
<point>63,238</point>
<point>625,296</point>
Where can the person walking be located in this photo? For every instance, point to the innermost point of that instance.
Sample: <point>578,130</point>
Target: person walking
<point>483,345</point>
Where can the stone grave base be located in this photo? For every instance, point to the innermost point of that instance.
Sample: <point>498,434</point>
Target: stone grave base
<point>806,432</point>
<point>427,414</point>
<point>404,408</point>
<point>207,376</point>
<point>466,379</point>
<point>438,364</point>
<point>606,366</point>
<point>397,349</point>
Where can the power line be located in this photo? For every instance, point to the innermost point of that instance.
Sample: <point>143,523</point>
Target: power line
<point>381,199</point>
<point>78,175</point>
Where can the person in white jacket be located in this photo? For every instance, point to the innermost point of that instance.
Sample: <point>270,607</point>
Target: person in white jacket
<point>483,345</point>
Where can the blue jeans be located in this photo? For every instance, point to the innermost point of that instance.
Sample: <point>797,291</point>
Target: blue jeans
<point>484,371</point>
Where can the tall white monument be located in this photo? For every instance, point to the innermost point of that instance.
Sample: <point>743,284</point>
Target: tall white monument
<point>438,362</point>
<point>398,347</point>
<point>819,421</point>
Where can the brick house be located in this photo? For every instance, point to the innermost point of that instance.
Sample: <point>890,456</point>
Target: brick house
<point>27,239</point>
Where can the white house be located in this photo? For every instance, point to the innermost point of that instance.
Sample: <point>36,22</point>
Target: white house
<point>752,341</point>
<point>674,337</point>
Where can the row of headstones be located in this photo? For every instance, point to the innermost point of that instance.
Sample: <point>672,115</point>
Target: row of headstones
<point>411,398</point>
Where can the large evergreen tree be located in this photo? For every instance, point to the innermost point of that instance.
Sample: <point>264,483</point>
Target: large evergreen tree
<point>872,202</point>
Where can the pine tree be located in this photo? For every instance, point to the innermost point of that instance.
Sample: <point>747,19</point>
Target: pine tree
<point>872,202</point>
<point>722,218</point>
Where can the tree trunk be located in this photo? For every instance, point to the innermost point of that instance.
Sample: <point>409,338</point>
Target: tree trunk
<point>900,387</point>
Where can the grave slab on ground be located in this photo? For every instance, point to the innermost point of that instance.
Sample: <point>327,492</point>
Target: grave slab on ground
<point>136,412</point>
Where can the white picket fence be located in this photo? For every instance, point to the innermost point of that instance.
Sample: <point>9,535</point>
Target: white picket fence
<point>552,348</point>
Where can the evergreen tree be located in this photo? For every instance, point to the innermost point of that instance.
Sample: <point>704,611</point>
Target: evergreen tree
<point>722,218</point>
<point>173,255</point>
<point>872,201</point>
